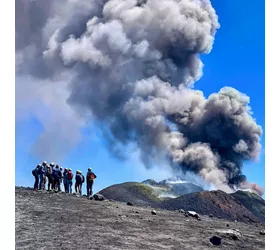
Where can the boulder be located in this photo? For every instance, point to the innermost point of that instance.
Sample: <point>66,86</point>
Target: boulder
<point>193,214</point>
<point>99,197</point>
<point>233,234</point>
<point>215,240</point>
<point>154,212</point>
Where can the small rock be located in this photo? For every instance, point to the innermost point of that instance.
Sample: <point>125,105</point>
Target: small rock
<point>235,221</point>
<point>215,240</point>
<point>262,232</point>
<point>182,211</point>
<point>227,225</point>
<point>91,198</point>
<point>99,197</point>
<point>129,203</point>
<point>198,218</point>
<point>136,212</point>
<point>186,215</point>
<point>153,212</point>
<point>219,217</point>
<point>211,215</point>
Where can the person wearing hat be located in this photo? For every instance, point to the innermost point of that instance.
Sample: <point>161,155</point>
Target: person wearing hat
<point>69,180</point>
<point>52,177</point>
<point>57,175</point>
<point>35,173</point>
<point>41,173</point>
<point>90,178</point>
<point>49,177</point>
<point>80,179</point>
<point>65,179</point>
<point>44,166</point>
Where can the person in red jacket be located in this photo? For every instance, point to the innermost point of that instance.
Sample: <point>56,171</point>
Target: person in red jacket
<point>90,178</point>
<point>69,180</point>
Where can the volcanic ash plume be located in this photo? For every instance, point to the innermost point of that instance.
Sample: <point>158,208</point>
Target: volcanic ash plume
<point>132,65</point>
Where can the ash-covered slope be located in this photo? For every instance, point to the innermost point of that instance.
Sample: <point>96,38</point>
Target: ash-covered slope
<point>253,202</point>
<point>172,187</point>
<point>217,203</point>
<point>134,192</point>
<point>47,220</point>
<point>227,206</point>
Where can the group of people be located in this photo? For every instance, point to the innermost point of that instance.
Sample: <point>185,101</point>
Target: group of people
<point>53,175</point>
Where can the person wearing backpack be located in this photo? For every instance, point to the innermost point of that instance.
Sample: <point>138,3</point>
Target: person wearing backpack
<point>41,173</point>
<point>36,176</point>
<point>49,177</point>
<point>79,182</point>
<point>69,180</point>
<point>59,175</point>
<point>90,178</point>
<point>52,175</point>
<point>56,176</point>
<point>65,179</point>
<point>44,166</point>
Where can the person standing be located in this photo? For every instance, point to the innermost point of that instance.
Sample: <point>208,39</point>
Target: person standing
<point>36,176</point>
<point>90,179</point>
<point>65,179</point>
<point>49,177</point>
<point>56,176</point>
<point>52,175</point>
<point>41,174</point>
<point>79,182</point>
<point>45,166</point>
<point>69,180</point>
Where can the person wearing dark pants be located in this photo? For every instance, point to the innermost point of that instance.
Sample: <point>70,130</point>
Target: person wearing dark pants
<point>79,182</point>
<point>89,188</point>
<point>36,184</point>
<point>90,178</point>
<point>65,180</point>
<point>41,174</point>
<point>52,175</point>
<point>36,176</point>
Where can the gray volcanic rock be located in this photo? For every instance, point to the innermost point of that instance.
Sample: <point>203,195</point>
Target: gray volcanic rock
<point>59,221</point>
<point>99,197</point>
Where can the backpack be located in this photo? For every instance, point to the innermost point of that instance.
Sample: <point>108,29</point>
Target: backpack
<point>70,176</point>
<point>33,172</point>
<point>54,173</point>
<point>79,178</point>
<point>91,176</point>
<point>83,179</point>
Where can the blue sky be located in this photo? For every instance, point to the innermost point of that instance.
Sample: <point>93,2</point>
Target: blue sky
<point>237,60</point>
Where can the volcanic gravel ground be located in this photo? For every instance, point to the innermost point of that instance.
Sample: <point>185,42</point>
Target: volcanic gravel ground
<point>47,220</point>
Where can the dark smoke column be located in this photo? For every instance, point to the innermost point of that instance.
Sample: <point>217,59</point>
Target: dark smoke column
<point>132,63</point>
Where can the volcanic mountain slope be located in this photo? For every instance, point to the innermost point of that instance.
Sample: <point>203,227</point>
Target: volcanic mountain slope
<point>227,206</point>
<point>254,203</point>
<point>217,203</point>
<point>46,220</point>
<point>134,192</point>
<point>173,187</point>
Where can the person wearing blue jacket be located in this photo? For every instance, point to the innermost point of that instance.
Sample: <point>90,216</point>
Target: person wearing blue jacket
<point>65,180</point>
<point>41,173</point>
<point>36,176</point>
<point>80,179</point>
